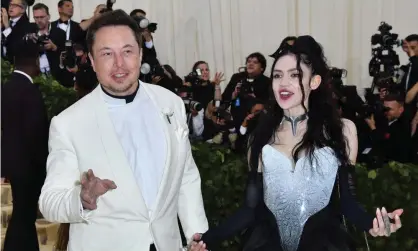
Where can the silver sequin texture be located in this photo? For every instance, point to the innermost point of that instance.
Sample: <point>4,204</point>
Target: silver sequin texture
<point>293,197</point>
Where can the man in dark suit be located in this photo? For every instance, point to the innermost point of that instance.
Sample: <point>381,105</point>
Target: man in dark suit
<point>24,148</point>
<point>50,54</point>
<point>15,25</point>
<point>148,49</point>
<point>392,142</point>
<point>71,28</point>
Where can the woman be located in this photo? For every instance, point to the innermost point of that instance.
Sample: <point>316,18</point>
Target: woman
<point>205,91</point>
<point>300,156</point>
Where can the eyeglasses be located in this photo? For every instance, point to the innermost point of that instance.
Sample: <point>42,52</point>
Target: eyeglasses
<point>14,5</point>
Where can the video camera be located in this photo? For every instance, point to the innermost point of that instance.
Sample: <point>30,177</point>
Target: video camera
<point>144,23</point>
<point>109,6</point>
<point>384,60</point>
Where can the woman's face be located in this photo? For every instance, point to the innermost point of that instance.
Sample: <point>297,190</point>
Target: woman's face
<point>204,69</point>
<point>286,86</point>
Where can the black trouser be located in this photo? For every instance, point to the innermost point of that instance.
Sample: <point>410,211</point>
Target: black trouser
<point>152,248</point>
<point>21,232</point>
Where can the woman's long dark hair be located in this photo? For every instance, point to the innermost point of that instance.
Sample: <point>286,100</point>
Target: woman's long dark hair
<point>324,125</point>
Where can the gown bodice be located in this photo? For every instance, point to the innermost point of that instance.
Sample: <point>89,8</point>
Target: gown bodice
<point>295,193</point>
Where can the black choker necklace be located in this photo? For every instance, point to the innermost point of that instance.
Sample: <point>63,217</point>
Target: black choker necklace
<point>294,121</point>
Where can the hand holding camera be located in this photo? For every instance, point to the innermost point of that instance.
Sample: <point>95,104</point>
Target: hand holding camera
<point>49,45</point>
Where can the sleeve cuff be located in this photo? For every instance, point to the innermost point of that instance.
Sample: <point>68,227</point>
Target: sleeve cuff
<point>81,212</point>
<point>7,32</point>
<point>243,130</point>
<point>149,44</point>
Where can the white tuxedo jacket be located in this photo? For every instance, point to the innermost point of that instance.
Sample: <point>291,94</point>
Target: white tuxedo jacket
<point>82,137</point>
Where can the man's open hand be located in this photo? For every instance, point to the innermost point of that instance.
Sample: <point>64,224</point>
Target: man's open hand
<point>92,187</point>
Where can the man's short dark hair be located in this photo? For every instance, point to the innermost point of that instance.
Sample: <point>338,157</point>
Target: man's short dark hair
<point>133,13</point>
<point>260,58</point>
<point>395,97</point>
<point>412,37</point>
<point>112,18</point>
<point>62,2</point>
<point>27,55</point>
<point>40,6</point>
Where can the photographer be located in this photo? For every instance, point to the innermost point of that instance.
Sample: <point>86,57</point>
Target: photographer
<point>244,86</point>
<point>85,24</point>
<point>410,46</point>
<point>148,48</point>
<point>163,75</point>
<point>392,142</point>
<point>72,60</point>
<point>47,40</point>
<point>195,114</point>
<point>201,86</point>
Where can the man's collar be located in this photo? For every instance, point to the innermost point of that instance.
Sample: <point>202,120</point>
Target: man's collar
<point>24,74</point>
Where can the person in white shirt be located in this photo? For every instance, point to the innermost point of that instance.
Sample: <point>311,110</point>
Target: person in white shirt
<point>120,168</point>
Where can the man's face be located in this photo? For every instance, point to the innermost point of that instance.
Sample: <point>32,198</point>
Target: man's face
<point>67,9</point>
<point>41,18</point>
<point>254,67</point>
<point>395,110</point>
<point>16,8</point>
<point>116,59</point>
<point>413,45</point>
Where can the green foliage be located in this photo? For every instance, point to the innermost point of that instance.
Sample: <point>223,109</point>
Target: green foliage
<point>394,186</point>
<point>224,175</point>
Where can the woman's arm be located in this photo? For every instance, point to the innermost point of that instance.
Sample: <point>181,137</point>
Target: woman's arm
<point>240,220</point>
<point>350,208</point>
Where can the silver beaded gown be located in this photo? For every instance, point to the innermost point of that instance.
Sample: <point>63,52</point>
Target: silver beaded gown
<point>294,193</point>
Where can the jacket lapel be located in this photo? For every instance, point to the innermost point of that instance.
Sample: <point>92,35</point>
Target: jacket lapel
<point>119,165</point>
<point>169,127</point>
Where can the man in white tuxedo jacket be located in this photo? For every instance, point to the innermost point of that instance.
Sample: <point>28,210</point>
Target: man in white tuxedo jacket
<point>120,168</point>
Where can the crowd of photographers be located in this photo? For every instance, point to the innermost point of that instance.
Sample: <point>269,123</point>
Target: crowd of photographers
<point>387,121</point>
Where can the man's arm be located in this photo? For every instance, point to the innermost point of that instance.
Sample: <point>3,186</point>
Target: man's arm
<point>191,210</point>
<point>60,197</point>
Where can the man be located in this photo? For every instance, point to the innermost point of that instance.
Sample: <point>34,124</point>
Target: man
<point>49,55</point>
<point>120,167</point>
<point>148,48</point>
<point>244,86</point>
<point>392,142</point>
<point>72,29</point>
<point>15,25</point>
<point>24,148</point>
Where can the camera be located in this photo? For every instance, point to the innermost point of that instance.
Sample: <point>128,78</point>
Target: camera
<point>192,105</point>
<point>39,40</point>
<point>152,68</point>
<point>385,38</point>
<point>221,112</point>
<point>384,60</point>
<point>244,88</point>
<point>144,23</point>
<point>109,6</point>
<point>69,55</point>
<point>336,83</point>
<point>194,77</point>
